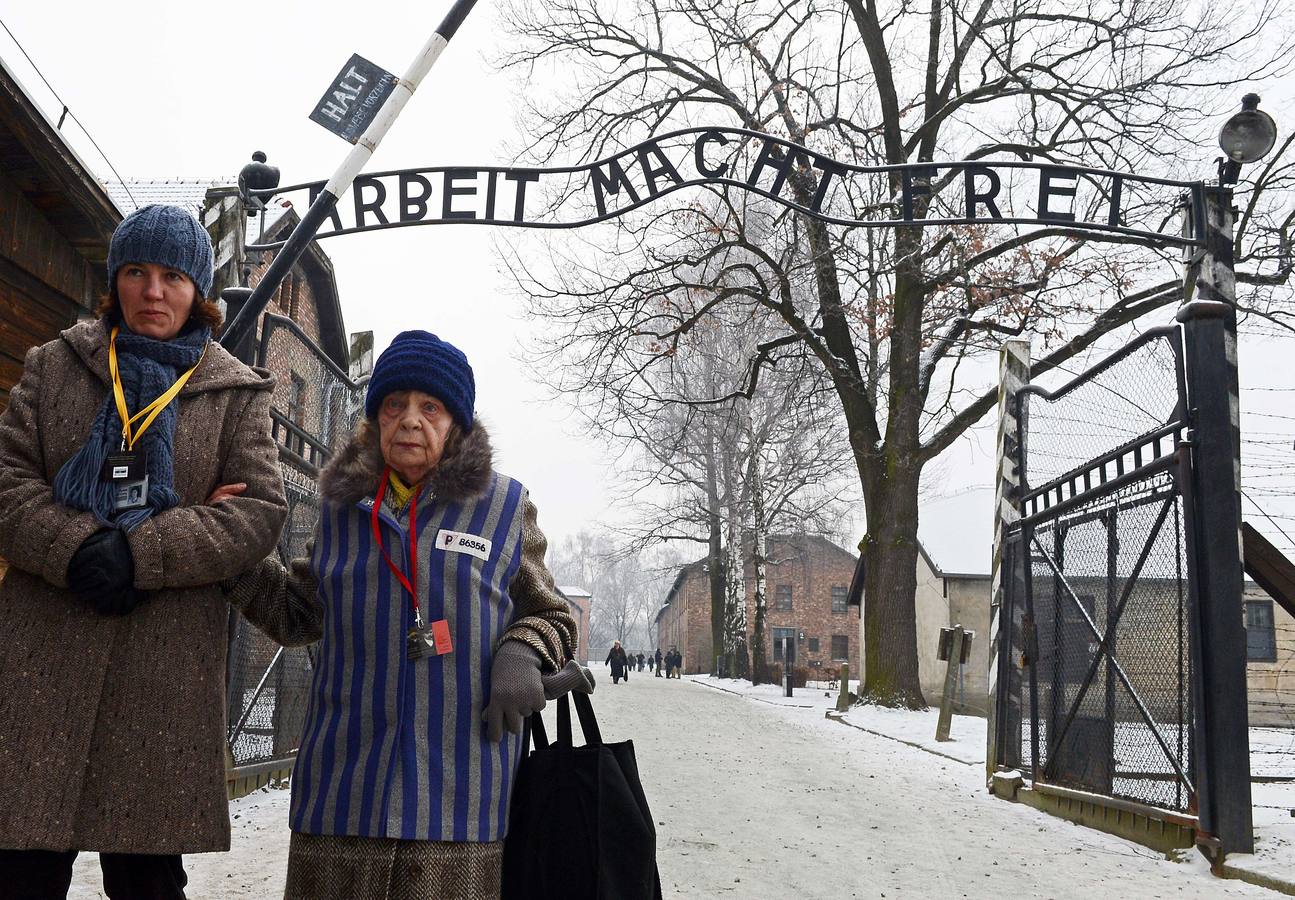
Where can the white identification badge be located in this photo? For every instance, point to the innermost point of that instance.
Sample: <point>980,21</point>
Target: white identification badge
<point>458,542</point>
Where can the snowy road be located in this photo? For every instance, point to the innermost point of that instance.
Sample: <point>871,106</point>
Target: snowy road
<point>763,802</point>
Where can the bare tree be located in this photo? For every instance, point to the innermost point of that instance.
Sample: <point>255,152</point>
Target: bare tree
<point>891,317</point>
<point>625,584</point>
<point>731,471</point>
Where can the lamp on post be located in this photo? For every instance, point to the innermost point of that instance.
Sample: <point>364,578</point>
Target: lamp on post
<point>1213,446</point>
<point>257,175</point>
<point>1245,138</point>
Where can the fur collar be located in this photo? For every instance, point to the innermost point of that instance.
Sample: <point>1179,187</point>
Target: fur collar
<point>353,472</point>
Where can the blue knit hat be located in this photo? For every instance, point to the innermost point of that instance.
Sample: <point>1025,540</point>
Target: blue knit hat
<point>420,361</point>
<point>166,236</point>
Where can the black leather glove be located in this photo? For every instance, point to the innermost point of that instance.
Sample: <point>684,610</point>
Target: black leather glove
<point>102,572</point>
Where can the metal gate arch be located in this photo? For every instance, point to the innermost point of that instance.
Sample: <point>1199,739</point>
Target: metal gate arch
<point>1110,613</point>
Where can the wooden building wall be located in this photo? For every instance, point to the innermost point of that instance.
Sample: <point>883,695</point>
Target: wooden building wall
<point>44,282</point>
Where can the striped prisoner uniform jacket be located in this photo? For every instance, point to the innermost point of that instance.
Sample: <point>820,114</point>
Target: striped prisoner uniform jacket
<point>392,747</point>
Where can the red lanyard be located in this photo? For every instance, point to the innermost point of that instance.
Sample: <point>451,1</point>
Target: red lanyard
<point>410,582</point>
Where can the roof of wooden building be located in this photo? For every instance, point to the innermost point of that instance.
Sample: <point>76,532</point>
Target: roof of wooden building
<point>50,174</point>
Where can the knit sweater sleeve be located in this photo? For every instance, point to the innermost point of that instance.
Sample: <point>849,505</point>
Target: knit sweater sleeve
<point>188,546</point>
<point>282,601</point>
<point>543,620</point>
<point>37,533</point>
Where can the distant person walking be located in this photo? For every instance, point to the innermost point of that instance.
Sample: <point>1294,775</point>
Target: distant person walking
<point>617,659</point>
<point>674,664</point>
<point>657,660</point>
<point>640,662</point>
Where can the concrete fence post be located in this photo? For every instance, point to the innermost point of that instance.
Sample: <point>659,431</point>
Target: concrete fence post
<point>1004,731</point>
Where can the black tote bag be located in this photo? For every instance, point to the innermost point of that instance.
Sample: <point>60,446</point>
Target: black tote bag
<point>579,827</point>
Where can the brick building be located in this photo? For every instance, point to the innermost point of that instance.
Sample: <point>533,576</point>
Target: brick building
<point>949,598</point>
<point>807,580</point>
<point>580,601</point>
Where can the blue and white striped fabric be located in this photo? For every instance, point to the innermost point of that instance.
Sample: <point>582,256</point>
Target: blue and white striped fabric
<point>394,748</point>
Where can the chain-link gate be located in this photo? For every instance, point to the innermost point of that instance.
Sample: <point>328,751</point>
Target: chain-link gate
<point>315,407</point>
<point>1120,664</point>
<point>1097,568</point>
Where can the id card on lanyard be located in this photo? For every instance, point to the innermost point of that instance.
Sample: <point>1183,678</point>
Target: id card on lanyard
<point>422,640</point>
<point>127,470</point>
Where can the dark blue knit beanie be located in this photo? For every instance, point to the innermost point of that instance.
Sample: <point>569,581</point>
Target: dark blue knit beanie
<point>419,361</point>
<point>166,236</point>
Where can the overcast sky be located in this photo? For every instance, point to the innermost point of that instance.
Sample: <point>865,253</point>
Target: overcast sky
<point>177,89</point>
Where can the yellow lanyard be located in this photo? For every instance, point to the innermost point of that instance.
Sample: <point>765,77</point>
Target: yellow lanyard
<point>148,413</point>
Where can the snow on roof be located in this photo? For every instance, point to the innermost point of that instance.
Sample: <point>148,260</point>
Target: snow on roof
<point>569,591</point>
<point>186,193</point>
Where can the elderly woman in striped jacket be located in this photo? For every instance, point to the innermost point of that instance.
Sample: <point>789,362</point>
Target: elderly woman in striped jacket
<point>441,631</point>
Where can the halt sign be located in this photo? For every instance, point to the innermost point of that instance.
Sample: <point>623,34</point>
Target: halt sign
<point>354,98</point>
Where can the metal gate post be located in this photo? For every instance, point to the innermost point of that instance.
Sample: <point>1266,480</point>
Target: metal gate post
<point>1219,651</point>
<point>1004,732</point>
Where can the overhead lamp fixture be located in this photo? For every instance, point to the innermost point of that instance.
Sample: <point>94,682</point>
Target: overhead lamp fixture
<point>1245,138</point>
<point>256,176</point>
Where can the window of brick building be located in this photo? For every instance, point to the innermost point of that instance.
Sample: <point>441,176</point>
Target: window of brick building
<point>841,647</point>
<point>838,598</point>
<point>297,400</point>
<point>782,596</point>
<point>1261,633</point>
<point>284,298</point>
<point>813,645</point>
<point>780,638</point>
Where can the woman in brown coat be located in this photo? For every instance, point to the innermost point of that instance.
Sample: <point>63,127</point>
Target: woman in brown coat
<point>112,732</point>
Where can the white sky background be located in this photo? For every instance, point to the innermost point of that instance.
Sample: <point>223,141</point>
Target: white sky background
<point>174,89</point>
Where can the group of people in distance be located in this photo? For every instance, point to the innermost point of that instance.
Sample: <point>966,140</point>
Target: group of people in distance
<point>622,662</point>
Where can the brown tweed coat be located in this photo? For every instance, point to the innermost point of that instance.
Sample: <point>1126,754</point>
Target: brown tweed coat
<point>112,730</point>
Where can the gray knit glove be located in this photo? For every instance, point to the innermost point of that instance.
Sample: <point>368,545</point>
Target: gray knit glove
<point>571,677</point>
<point>516,689</point>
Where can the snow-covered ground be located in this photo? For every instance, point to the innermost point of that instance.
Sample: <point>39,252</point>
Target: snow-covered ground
<point>760,796</point>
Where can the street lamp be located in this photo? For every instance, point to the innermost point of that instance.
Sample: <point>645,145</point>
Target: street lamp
<point>1210,372</point>
<point>1246,137</point>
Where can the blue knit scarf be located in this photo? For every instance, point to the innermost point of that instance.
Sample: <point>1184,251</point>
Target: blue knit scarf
<point>148,367</point>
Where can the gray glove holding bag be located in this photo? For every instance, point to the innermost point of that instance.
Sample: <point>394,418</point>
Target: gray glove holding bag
<point>517,688</point>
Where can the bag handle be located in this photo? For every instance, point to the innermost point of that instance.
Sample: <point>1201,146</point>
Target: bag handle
<point>588,723</point>
<point>564,722</point>
<point>538,734</point>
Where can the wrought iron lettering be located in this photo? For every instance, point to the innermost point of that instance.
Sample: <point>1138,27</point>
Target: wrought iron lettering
<point>1074,199</point>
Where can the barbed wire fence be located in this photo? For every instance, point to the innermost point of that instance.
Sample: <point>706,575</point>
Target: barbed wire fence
<point>316,405</point>
<point>1267,493</point>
